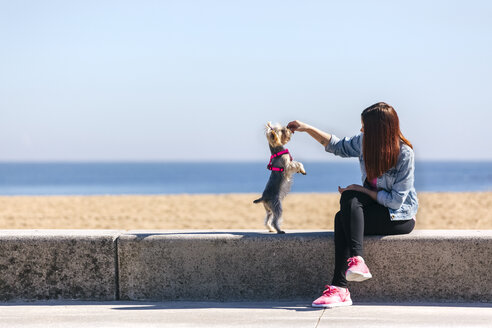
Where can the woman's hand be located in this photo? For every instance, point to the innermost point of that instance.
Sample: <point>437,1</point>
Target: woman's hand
<point>372,193</point>
<point>320,136</point>
<point>355,187</point>
<point>297,126</point>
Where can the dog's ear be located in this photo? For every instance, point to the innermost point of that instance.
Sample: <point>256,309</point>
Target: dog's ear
<point>273,137</point>
<point>286,134</point>
<point>269,125</point>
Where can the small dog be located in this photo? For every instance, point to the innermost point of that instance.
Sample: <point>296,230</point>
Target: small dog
<point>282,167</point>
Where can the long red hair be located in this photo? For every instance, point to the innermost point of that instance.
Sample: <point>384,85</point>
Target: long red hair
<point>382,137</point>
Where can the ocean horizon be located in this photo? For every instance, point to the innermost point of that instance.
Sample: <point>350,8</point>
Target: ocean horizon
<point>150,178</point>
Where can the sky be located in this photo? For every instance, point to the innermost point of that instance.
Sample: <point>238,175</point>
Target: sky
<point>197,80</point>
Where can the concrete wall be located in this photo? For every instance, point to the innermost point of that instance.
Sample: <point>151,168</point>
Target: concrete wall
<point>57,264</point>
<point>223,266</point>
<point>135,265</point>
<point>428,265</point>
<point>422,266</point>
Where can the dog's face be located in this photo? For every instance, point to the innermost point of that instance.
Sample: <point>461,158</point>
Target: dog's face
<point>277,135</point>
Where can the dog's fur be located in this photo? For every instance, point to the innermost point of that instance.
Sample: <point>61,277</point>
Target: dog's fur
<point>278,186</point>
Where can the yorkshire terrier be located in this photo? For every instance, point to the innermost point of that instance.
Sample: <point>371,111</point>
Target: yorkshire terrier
<point>283,168</point>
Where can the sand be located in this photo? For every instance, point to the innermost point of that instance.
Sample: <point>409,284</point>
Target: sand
<point>228,211</point>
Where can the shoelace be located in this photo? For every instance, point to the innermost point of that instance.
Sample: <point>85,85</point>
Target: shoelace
<point>353,261</point>
<point>329,290</point>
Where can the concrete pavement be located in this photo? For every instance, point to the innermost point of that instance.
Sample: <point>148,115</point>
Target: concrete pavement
<point>240,314</point>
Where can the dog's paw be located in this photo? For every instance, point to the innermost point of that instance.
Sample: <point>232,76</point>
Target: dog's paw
<point>280,232</point>
<point>301,169</point>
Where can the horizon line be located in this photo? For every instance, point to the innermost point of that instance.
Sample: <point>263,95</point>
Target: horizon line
<point>206,161</point>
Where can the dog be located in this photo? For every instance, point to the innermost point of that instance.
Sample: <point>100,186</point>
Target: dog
<point>283,168</point>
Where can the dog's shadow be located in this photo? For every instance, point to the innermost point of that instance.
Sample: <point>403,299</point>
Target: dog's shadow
<point>242,234</point>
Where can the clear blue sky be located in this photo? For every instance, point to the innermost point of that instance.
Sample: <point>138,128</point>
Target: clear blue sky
<point>197,80</point>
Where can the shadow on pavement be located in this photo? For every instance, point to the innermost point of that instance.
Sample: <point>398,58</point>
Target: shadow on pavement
<point>298,306</point>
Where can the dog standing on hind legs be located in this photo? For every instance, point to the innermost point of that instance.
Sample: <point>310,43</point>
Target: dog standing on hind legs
<point>283,167</point>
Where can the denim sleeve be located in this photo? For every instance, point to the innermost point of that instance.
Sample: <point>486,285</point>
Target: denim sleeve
<point>403,183</point>
<point>346,147</point>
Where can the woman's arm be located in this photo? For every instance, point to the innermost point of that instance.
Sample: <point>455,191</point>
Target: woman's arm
<point>320,136</point>
<point>346,147</point>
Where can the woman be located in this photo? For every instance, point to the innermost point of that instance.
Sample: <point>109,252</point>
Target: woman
<point>386,203</point>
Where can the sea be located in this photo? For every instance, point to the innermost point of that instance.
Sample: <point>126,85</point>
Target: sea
<point>149,178</point>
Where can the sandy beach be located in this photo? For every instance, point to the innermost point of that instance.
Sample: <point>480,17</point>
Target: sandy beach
<point>227,211</point>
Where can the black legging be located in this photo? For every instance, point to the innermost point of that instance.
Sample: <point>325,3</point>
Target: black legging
<point>360,215</point>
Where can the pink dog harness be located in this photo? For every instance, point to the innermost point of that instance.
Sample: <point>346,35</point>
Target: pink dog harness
<point>280,153</point>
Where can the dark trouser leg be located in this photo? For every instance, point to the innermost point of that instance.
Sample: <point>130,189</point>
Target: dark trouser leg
<point>349,232</point>
<point>341,253</point>
<point>353,206</point>
<point>377,223</point>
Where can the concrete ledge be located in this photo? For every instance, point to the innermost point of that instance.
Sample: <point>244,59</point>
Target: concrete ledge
<point>434,265</point>
<point>222,266</point>
<point>57,264</point>
<point>429,266</point>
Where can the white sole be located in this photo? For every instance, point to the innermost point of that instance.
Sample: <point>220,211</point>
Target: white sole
<point>357,276</point>
<point>329,306</point>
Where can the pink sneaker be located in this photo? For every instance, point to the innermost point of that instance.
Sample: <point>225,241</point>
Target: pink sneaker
<point>332,297</point>
<point>357,269</point>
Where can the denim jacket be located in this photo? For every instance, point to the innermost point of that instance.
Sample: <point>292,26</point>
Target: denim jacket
<point>395,187</point>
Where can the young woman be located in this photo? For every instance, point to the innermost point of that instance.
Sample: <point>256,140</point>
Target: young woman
<point>386,203</point>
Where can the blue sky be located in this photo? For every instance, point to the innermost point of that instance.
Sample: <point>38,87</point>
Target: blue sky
<point>197,80</point>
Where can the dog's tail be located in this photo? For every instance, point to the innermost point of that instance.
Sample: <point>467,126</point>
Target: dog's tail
<point>259,200</point>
